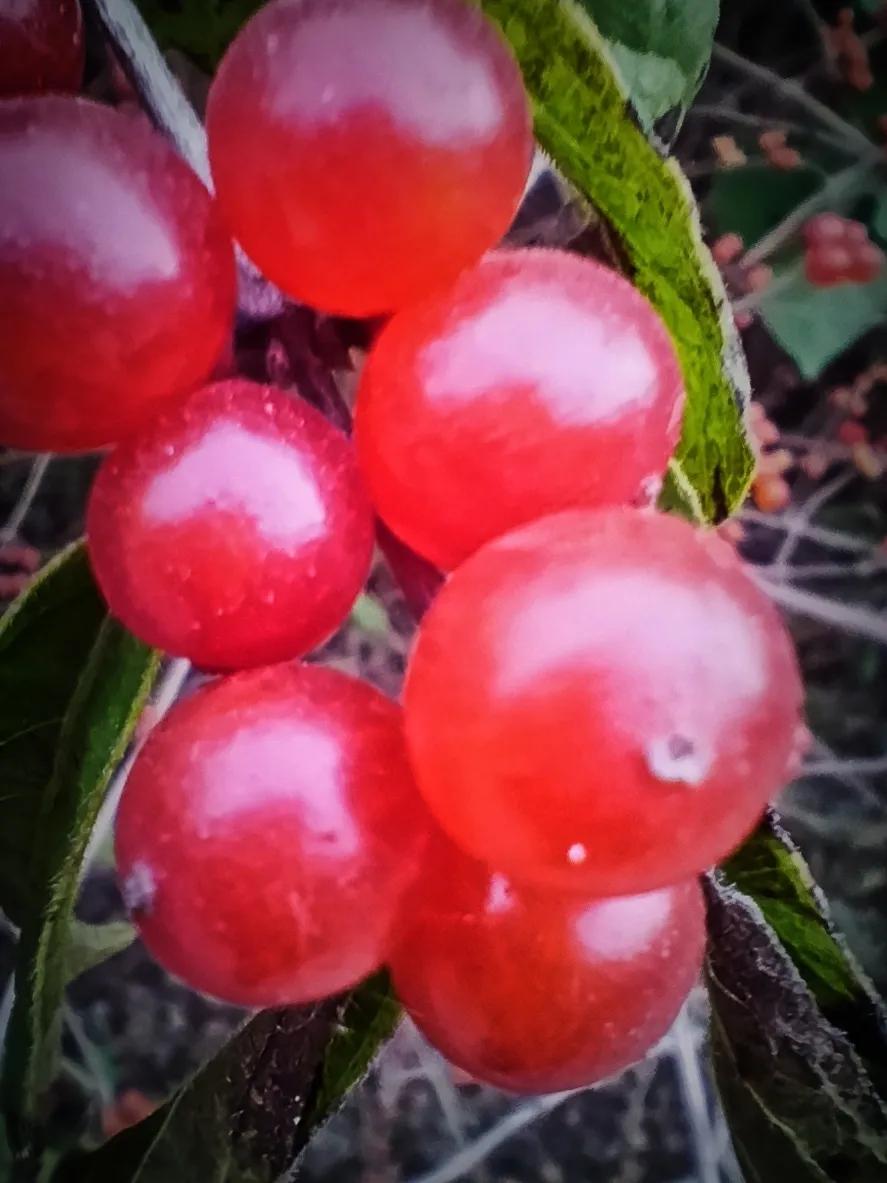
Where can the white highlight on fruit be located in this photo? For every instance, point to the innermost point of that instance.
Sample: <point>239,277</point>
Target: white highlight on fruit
<point>598,370</point>
<point>577,854</point>
<point>252,770</point>
<point>407,64</point>
<point>622,928</point>
<point>272,485</point>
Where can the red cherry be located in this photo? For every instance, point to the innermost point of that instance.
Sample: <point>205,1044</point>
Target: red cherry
<point>116,278</point>
<point>534,991</point>
<point>41,46</point>
<point>366,151</point>
<point>866,264</point>
<point>267,832</point>
<point>601,700</point>
<point>233,529</point>
<point>827,266</point>
<point>538,381</point>
<point>825,228</point>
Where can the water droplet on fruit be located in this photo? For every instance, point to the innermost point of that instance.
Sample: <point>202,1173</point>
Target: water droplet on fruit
<point>577,854</point>
<point>139,888</point>
<point>676,759</point>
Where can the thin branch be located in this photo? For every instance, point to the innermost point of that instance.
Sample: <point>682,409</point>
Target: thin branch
<point>835,539</point>
<point>762,123</point>
<point>695,1100</point>
<point>859,622</point>
<point>10,529</point>
<point>785,280</point>
<point>154,82</point>
<point>861,766</point>
<point>833,193</point>
<point>797,94</point>
<point>473,1153</point>
<point>805,515</point>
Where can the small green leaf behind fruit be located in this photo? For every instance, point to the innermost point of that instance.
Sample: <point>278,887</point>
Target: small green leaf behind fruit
<point>110,684</point>
<point>816,325</point>
<point>661,49</point>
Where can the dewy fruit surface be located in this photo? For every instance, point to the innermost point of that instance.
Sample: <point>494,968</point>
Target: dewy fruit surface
<point>267,832</point>
<point>602,700</point>
<point>116,276</point>
<point>234,529</point>
<point>538,381</point>
<point>536,991</point>
<point>365,151</point>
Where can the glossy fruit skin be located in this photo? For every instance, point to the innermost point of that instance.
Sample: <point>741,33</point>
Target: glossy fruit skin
<point>266,834</point>
<point>233,529</point>
<point>603,700</point>
<point>41,46</point>
<point>365,151</point>
<point>538,381</point>
<point>535,991</point>
<point>116,276</point>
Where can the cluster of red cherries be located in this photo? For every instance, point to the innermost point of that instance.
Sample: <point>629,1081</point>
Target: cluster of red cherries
<point>600,700</point>
<point>838,251</point>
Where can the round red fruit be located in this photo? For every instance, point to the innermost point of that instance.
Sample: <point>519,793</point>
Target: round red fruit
<point>116,277</point>
<point>828,265</point>
<point>536,991</point>
<point>266,833</point>
<point>867,263</point>
<point>538,381</point>
<point>233,529</point>
<point>602,700</point>
<point>41,46</point>
<point>366,151</point>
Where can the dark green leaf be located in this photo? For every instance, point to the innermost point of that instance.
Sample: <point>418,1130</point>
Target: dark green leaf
<point>202,29</point>
<point>103,710</point>
<point>661,48</point>
<point>248,1113</point>
<point>582,121</point>
<point>771,871</point>
<point>751,200</point>
<point>801,1106</point>
<point>815,325</point>
<point>91,944</point>
<point>46,637</point>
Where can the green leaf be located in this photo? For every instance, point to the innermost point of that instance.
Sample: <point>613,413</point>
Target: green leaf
<point>798,1032</point>
<point>112,688</point>
<point>247,1114</point>
<point>661,47</point>
<point>816,325</point>
<point>91,944</point>
<point>751,200</point>
<point>582,122</point>
<point>201,29</point>
<point>45,640</point>
<point>800,1103</point>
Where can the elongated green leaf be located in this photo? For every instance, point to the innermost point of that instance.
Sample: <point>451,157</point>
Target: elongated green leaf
<point>247,1114</point>
<point>661,48</point>
<point>110,693</point>
<point>582,121</point>
<point>45,640</point>
<point>771,871</point>
<point>799,1099</point>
